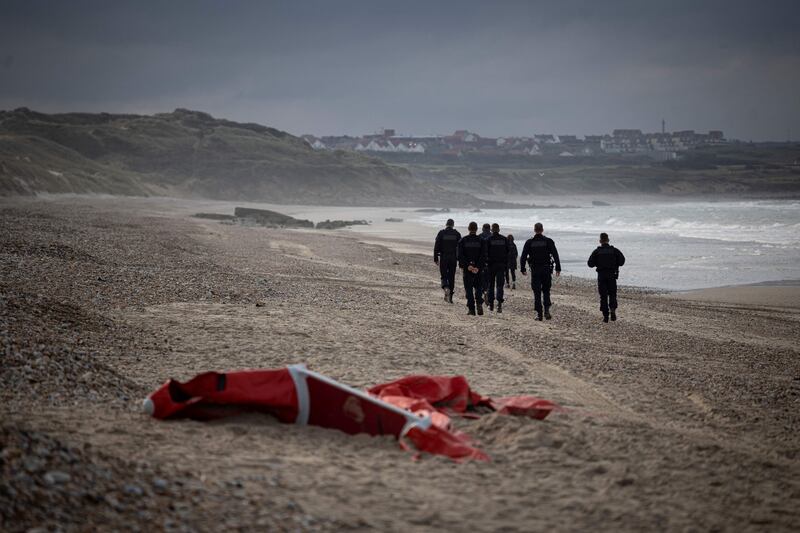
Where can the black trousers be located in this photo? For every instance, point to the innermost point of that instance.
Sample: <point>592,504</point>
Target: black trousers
<point>447,268</point>
<point>607,287</point>
<point>541,281</point>
<point>473,287</point>
<point>497,275</point>
<point>511,274</point>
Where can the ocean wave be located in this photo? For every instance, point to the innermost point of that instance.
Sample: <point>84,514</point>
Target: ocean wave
<point>753,221</point>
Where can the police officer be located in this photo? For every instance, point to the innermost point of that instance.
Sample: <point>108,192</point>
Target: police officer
<point>513,254</point>
<point>485,234</point>
<point>497,261</point>
<point>445,252</point>
<point>607,260</point>
<point>539,251</point>
<point>472,260</point>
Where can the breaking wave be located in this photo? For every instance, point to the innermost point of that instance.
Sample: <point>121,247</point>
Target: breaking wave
<point>774,222</point>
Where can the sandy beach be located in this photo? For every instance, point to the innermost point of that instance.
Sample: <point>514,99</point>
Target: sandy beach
<point>683,415</point>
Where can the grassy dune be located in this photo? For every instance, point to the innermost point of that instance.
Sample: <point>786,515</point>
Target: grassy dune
<point>189,153</point>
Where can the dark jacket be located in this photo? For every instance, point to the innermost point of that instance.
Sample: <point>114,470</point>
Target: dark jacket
<point>446,244</point>
<point>472,251</point>
<point>606,258</point>
<point>512,255</point>
<point>497,251</point>
<point>485,235</point>
<point>537,251</point>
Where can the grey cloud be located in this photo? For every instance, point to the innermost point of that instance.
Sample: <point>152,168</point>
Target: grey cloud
<point>349,67</point>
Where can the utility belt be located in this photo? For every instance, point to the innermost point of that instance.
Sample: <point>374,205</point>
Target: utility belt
<point>551,265</point>
<point>608,272</point>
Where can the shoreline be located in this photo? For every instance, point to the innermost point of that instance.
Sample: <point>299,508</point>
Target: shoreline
<point>778,294</point>
<point>413,237</point>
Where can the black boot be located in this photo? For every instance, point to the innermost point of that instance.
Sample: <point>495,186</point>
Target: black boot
<point>605,318</point>
<point>539,316</point>
<point>480,309</point>
<point>491,305</point>
<point>613,315</point>
<point>471,312</point>
<point>547,314</point>
<point>445,293</point>
<point>499,307</point>
<point>450,297</point>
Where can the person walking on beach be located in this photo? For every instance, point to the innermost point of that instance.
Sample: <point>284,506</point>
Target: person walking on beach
<point>540,252</point>
<point>472,260</point>
<point>607,260</point>
<point>497,263</point>
<point>486,231</point>
<point>511,271</point>
<point>485,234</point>
<point>445,252</point>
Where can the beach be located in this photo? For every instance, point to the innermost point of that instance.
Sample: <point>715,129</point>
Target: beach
<point>682,415</point>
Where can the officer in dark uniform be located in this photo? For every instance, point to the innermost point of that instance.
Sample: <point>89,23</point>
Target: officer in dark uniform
<point>472,260</point>
<point>540,252</point>
<point>513,254</point>
<point>607,260</point>
<point>445,253</point>
<point>497,261</point>
<point>485,234</point>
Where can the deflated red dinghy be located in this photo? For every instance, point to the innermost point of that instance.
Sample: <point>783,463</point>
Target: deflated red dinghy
<point>414,409</point>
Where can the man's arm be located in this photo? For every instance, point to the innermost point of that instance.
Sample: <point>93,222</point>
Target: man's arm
<point>523,258</point>
<point>484,261</point>
<point>554,253</point>
<point>437,247</point>
<point>620,258</point>
<point>592,262</point>
<point>460,254</point>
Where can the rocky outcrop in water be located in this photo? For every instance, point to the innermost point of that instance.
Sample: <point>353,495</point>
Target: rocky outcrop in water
<point>338,224</point>
<point>270,219</point>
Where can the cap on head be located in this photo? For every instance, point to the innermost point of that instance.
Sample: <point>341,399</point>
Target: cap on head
<point>604,237</point>
<point>450,223</point>
<point>538,228</point>
<point>473,226</point>
<point>510,237</point>
<point>495,228</point>
<point>486,227</point>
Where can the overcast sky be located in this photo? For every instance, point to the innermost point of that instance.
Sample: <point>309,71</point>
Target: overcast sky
<point>421,67</point>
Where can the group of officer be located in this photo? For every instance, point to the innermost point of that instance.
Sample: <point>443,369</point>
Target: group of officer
<point>488,261</point>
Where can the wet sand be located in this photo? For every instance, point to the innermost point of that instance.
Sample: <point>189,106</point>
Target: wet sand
<point>785,294</point>
<point>682,415</point>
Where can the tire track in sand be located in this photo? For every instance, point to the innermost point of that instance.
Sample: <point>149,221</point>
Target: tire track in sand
<point>582,394</point>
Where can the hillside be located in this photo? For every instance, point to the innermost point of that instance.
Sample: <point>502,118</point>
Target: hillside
<point>189,153</point>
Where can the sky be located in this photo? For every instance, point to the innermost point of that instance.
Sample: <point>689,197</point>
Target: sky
<point>497,68</point>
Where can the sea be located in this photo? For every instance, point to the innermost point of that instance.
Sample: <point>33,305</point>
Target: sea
<point>668,245</point>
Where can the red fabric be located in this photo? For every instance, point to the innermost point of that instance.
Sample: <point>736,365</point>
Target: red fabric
<point>453,394</point>
<point>443,392</point>
<point>337,408</point>
<point>268,391</point>
<point>529,406</point>
<point>439,441</point>
<point>212,394</point>
<point>421,407</point>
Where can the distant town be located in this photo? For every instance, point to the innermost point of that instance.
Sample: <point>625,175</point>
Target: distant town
<point>662,146</point>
